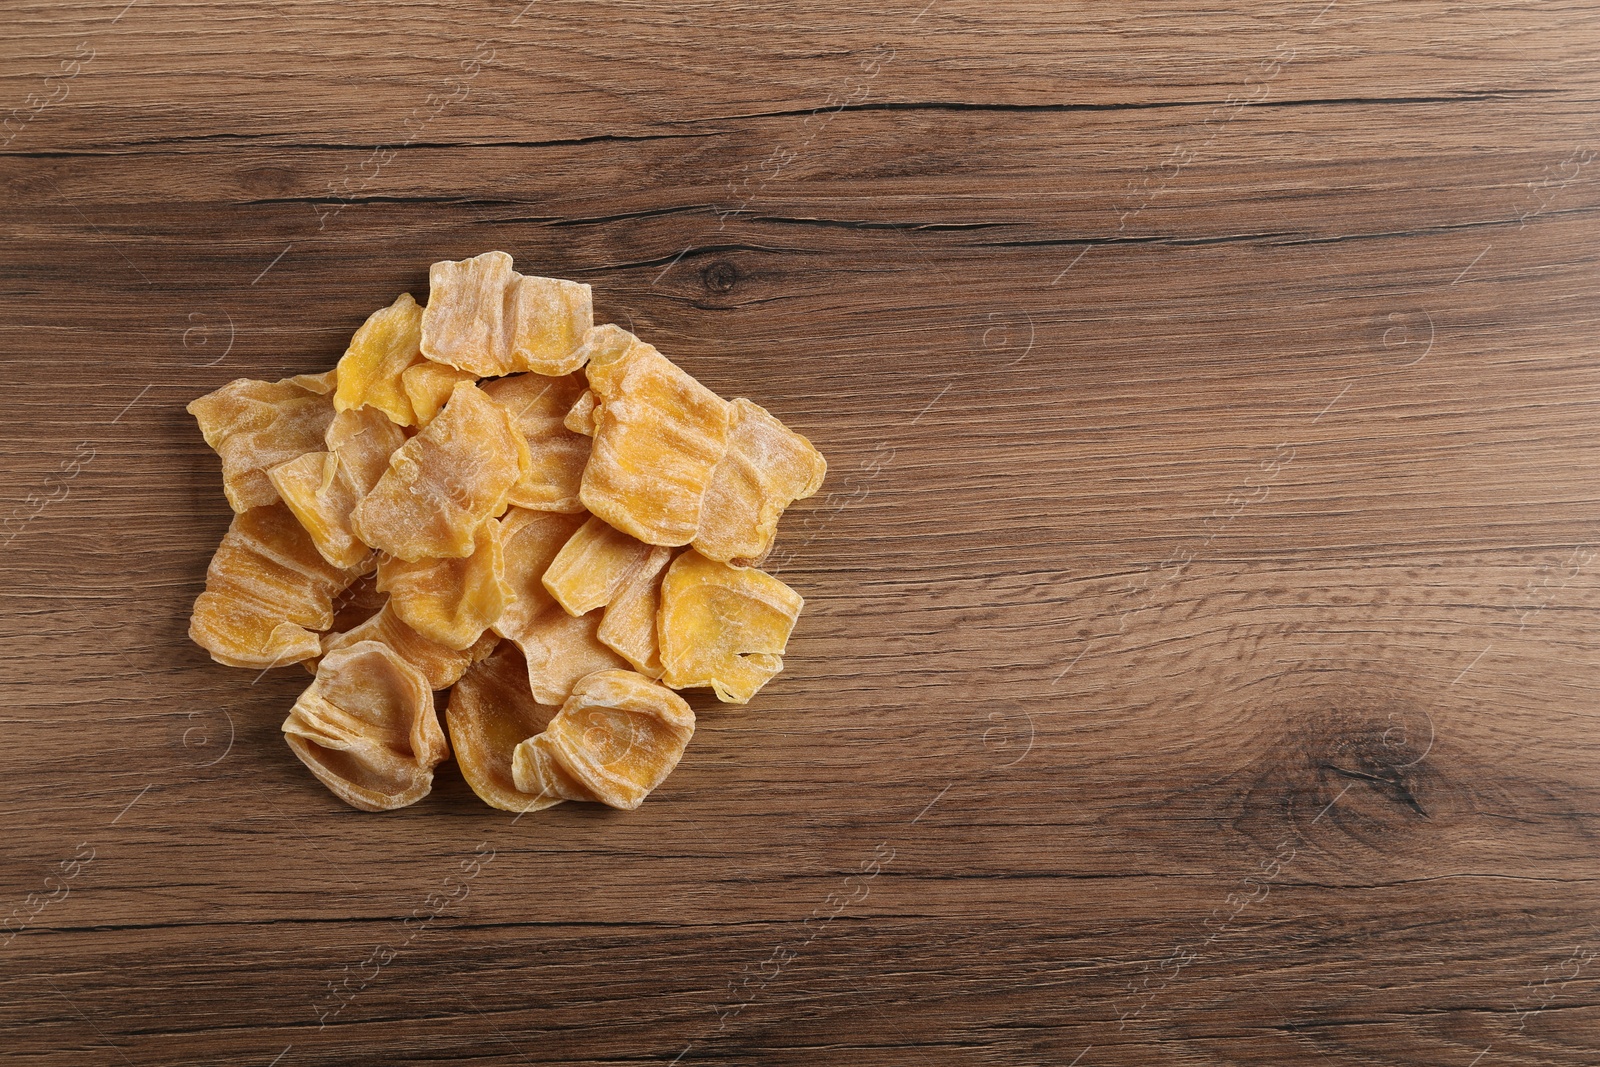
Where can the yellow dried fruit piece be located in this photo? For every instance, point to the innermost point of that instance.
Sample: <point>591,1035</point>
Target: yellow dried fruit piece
<point>617,736</point>
<point>723,626</point>
<point>766,468</point>
<point>534,762</point>
<point>267,591</point>
<point>253,426</point>
<point>322,488</point>
<point>451,600</point>
<point>367,729</point>
<point>381,350</point>
<point>490,713</point>
<point>628,626</point>
<point>484,317</point>
<point>592,566</point>
<point>443,483</point>
<point>581,418</point>
<point>440,664</point>
<point>531,540</point>
<point>659,435</point>
<point>560,649</point>
<point>428,386</point>
<point>538,404</point>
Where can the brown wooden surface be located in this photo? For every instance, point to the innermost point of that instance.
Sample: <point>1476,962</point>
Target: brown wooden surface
<point>1201,630</point>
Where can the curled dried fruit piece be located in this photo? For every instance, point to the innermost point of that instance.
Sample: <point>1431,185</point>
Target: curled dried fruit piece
<point>484,317</point>
<point>450,601</point>
<point>628,626</point>
<point>366,727</point>
<point>723,626</point>
<point>531,540</point>
<point>490,713</point>
<point>538,404</point>
<point>254,426</point>
<point>322,488</point>
<point>267,590</point>
<point>766,468</point>
<point>445,482</point>
<point>428,385</point>
<point>659,435</point>
<point>560,649</point>
<point>592,565</point>
<point>581,418</point>
<point>440,664</point>
<point>369,371</point>
<point>616,738</point>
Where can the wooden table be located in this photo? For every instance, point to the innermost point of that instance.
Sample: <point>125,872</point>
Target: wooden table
<point>1200,660</point>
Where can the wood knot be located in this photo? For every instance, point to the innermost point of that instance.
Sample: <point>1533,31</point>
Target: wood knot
<point>720,277</point>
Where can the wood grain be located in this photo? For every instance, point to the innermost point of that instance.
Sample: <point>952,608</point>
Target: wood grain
<point>1200,659</point>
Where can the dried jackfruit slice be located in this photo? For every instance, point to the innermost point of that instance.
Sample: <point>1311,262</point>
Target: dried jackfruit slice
<point>659,435</point>
<point>538,404</point>
<point>581,418</point>
<point>766,468</point>
<point>254,426</point>
<point>618,736</point>
<point>369,371</point>
<point>484,317</point>
<point>490,713</point>
<point>451,601</point>
<point>428,385</point>
<point>560,649</point>
<point>440,664</point>
<point>322,488</point>
<point>723,626</point>
<point>367,729</point>
<point>592,566</point>
<point>531,540</point>
<point>267,591</point>
<point>628,626</point>
<point>442,484</point>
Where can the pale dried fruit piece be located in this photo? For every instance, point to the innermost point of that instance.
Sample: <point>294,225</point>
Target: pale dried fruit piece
<point>531,540</point>
<point>659,435</point>
<point>322,488</point>
<point>367,729</point>
<point>254,426</point>
<point>534,762</point>
<point>617,736</point>
<point>445,482</point>
<point>592,566</point>
<point>581,418</point>
<point>452,600</point>
<point>369,371</point>
<point>484,317</point>
<point>538,404</point>
<point>428,385</point>
<point>267,591</point>
<point>628,626</point>
<point>440,664</point>
<point>723,626</point>
<point>560,649</point>
<point>490,713</point>
<point>766,468</point>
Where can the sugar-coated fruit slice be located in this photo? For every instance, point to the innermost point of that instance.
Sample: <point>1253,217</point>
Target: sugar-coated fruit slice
<point>428,386</point>
<point>659,435</point>
<point>616,737</point>
<point>628,626</point>
<point>766,468</point>
<point>484,317</point>
<point>268,591</point>
<point>723,626</point>
<point>446,481</point>
<point>253,426</point>
<point>367,729</point>
<point>440,664</point>
<point>381,350</point>
<point>451,601</point>
<point>581,418</point>
<point>538,404</point>
<point>560,649</point>
<point>531,540</point>
<point>592,565</point>
<point>322,488</point>
<point>490,713</point>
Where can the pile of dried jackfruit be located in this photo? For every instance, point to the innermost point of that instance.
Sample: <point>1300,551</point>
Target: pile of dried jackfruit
<point>491,494</point>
